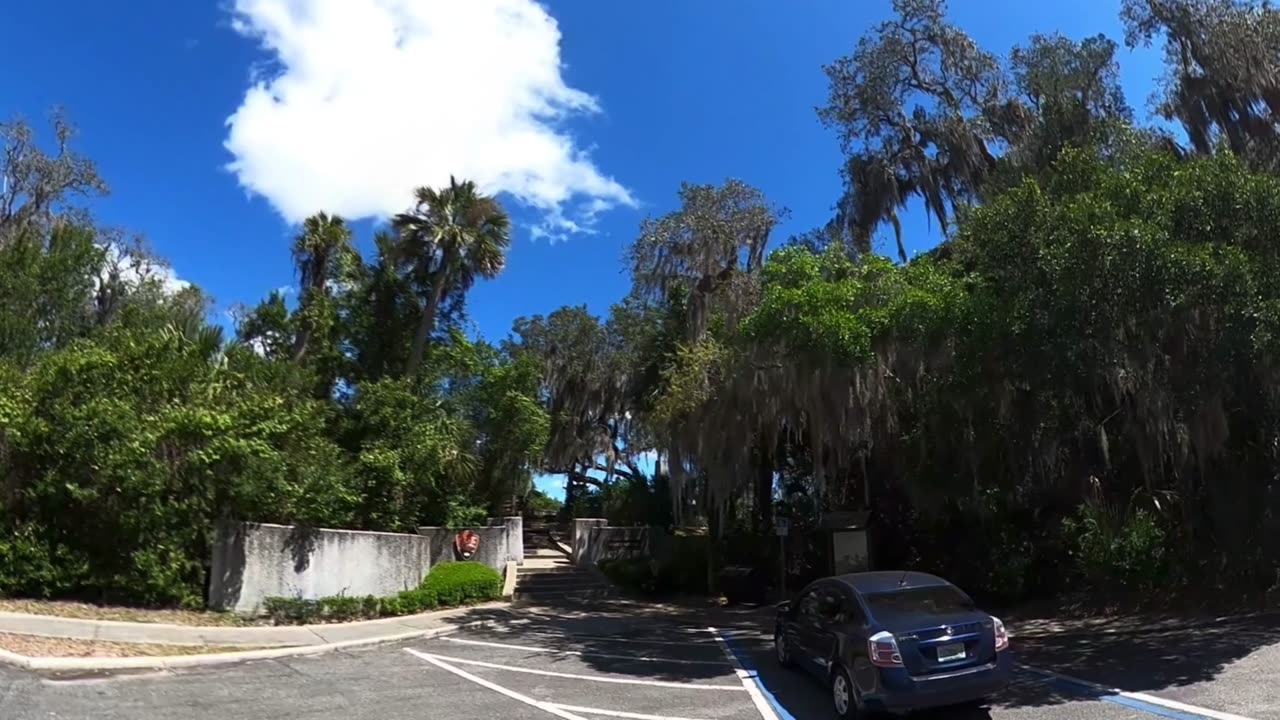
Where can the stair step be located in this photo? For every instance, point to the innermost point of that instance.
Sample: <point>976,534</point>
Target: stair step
<point>544,596</point>
<point>544,553</point>
<point>565,580</point>
<point>557,569</point>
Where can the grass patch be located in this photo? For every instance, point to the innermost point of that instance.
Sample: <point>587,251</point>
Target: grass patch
<point>87,611</point>
<point>37,646</point>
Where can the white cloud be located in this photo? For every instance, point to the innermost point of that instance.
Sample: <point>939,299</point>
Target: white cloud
<point>371,99</point>
<point>135,269</point>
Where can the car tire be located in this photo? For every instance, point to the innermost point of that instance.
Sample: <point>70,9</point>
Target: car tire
<point>782,650</point>
<point>844,695</point>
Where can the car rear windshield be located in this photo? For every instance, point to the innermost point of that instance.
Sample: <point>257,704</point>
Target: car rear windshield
<point>937,600</point>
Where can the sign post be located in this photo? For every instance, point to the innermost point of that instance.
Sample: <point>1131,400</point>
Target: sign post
<point>782,526</point>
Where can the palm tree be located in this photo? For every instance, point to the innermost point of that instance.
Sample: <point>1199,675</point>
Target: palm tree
<point>451,236</point>
<point>322,253</point>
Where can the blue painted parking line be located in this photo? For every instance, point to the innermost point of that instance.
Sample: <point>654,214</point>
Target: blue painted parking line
<point>1133,700</point>
<point>744,659</point>
<point>1142,702</point>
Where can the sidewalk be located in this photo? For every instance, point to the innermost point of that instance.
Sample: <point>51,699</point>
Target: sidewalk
<point>267,642</point>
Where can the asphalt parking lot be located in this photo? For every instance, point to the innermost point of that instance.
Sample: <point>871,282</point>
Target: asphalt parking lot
<point>543,665</point>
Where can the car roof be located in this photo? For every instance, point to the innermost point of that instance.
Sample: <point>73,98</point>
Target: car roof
<point>889,581</point>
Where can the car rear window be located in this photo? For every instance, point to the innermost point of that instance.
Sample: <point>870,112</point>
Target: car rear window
<point>935,600</point>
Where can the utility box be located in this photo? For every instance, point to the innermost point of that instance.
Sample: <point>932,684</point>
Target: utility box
<point>847,540</point>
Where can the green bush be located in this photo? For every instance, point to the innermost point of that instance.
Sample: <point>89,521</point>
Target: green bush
<point>30,567</point>
<point>128,450</point>
<point>1118,550</point>
<point>456,583</point>
<point>418,600</point>
<point>637,575</point>
<point>686,569</point>
<point>291,610</point>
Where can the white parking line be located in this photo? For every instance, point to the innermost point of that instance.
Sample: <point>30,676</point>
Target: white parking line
<point>592,678</point>
<point>617,713</point>
<point>748,680</point>
<point>579,653</point>
<point>545,707</point>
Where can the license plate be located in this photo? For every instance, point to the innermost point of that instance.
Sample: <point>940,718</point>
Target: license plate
<point>947,653</point>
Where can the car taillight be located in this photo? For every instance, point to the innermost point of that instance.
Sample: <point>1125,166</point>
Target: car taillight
<point>1002,635</point>
<point>882,650</point>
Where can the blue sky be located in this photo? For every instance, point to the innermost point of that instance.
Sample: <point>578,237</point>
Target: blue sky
<point>585,114</point>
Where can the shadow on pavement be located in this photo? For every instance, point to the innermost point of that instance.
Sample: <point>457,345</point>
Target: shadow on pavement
<point>1132,654</point>
<point>803,695</point>
<point>620,639</point>
<point>1134,657</point>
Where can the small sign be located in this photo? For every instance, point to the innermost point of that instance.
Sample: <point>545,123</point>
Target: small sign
<point>782,526</point>
<point>466,543</point>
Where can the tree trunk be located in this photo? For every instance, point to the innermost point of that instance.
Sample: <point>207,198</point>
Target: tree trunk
<point>300,341</point>
<point>764,498</point>
<point>426,325</point>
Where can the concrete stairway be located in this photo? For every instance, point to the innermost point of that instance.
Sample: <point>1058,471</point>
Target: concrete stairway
<point>548,574</point>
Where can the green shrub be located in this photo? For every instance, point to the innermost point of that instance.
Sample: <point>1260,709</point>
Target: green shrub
<point>391,606</point>
<point>340,608</point>
<point>456,583</point>
<point>637,575</point>
<point>29,567</point>
<point>416,601</point>
<point>291,610</point>
<point>128,450</point>
<point>1112,549</point>
<point>686,568</point>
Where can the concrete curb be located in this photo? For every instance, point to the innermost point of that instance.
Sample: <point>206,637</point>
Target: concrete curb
<point>162,662</point>
<point>195,635</point>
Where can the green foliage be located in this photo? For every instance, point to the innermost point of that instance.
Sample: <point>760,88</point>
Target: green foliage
<point>412,465</point>
<point>829,306</point>
<point>129,429</point>
<point>128,452</point>
<point>636,575</point>
<point>540,504</point>
<point>332,609</point>
<point>1118,550</point>
<point>458,583</point>
<point>683,572</point>
<point>45,290</point>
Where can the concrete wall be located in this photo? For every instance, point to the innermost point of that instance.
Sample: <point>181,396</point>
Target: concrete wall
<point>580,537</point>
<point>601,542</point>
<point>515,536</point>
<point>253,561</point>
<point>493,550</point>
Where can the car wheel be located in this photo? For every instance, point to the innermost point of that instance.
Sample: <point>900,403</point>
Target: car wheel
<point>844,697</point>
<point>782,650</point>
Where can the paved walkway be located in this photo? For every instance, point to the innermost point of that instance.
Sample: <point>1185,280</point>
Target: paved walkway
<point>284,636</point>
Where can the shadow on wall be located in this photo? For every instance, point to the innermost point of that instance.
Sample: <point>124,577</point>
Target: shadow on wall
<point>301,543</point>
<point>226,568</point>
